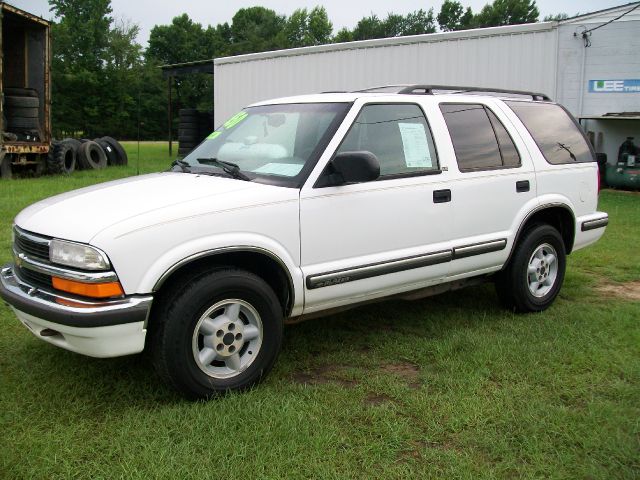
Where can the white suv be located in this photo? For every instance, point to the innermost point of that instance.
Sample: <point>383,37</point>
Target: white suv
<point>300,206</point>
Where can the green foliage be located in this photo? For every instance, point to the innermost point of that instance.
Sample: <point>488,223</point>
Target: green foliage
<point>394,25</point>
<point>304,28</point>
<point>556,18</point>
<point>507,12</point>
<point>343,35</point>
<point>453,16</point>
<point>256,29</point>
<point>80,52</point>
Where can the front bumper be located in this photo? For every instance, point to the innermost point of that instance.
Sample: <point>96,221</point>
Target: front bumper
<point>98,328</point>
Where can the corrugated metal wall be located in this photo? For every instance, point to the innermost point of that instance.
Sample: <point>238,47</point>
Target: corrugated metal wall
<point>515,57</point>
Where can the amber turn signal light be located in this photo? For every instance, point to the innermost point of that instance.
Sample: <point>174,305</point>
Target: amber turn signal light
<point>95,290</point>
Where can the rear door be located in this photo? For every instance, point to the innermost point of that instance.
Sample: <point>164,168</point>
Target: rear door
<point>495,183</point>
<point>373,239</point>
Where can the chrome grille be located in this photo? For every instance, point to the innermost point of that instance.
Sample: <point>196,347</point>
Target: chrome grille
<point>32,245</point>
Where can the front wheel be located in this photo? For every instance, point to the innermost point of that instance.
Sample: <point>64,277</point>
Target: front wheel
<point>532,279</point>
<point>222,331</point>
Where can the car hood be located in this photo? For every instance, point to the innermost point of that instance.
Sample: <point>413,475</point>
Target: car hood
<point>81,214</point>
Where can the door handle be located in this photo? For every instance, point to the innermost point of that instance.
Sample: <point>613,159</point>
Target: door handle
<point>522,186</point>
<point>441,196</point>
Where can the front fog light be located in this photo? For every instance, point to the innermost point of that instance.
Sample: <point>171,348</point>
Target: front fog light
<point>77,255</point>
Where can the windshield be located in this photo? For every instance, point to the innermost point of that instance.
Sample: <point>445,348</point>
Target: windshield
<point>276,144</point>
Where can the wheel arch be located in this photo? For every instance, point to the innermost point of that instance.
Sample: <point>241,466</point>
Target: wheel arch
<point>558,215</point>
<point>259,261</point>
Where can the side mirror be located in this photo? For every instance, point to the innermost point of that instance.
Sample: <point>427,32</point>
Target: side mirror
<point>356,167</point>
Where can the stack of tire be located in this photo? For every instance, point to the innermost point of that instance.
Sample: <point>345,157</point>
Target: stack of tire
<point>22,113</point>
<point>70,154</point>
<point>193,128</point>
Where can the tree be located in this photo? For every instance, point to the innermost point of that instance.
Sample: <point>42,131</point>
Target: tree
<point>344,35</point>
<point>181,41</point>
<point>368,28</point>
<point>557,17</point>
<point>507,12</point>
<point>186,41</point>
<point>320,28</point>
<point>394,25</point>
<point>419,22</point>
<point>305,28</point>
<point>453,16</point>
<point>79,55</point>
<point>256,29</point>
<point>118,109</point>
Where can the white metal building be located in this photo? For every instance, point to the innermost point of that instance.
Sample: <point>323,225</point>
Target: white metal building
<point>589,63</point>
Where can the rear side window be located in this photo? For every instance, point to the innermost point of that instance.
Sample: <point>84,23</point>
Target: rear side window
<point>480,140</point>
<point>554,131</point>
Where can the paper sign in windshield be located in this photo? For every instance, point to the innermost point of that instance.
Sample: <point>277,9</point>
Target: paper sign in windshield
<point>416,147</point>
<point>285,169</point>
<point>236,119</point>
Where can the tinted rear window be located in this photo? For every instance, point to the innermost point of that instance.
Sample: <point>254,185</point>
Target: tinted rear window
<point>554,131</point>
<point>479,139</point>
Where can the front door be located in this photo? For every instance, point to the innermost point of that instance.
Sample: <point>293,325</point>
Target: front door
<point>372,239</point>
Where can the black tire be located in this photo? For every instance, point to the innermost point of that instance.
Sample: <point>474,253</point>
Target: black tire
<point>188,132</point>
<point>62,158</point>
<point>27,112</point>
<point>512,284</point>
<point>20,92</point>
<point>121,154</point>
<point>188,112</point>
<point>23,123</point>
<point>91,155</point>
<point>75,144</point>
<point>112,155</point>
<point>174,325</point>
<point>22,102</point>
<point>5,167</point>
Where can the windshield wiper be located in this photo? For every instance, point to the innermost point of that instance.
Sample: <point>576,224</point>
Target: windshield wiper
<point>564,147</point>
<point>228,167</point>
<point>185,166</point>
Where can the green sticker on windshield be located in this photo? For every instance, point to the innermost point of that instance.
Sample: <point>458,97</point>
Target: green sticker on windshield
<point>214,135</point>
<point>236,119</point>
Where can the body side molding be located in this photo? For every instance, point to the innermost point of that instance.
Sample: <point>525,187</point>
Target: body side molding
<point>337,277</point>
<point>596,223</point>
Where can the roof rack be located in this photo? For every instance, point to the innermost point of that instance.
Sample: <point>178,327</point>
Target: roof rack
<point>432,89</point>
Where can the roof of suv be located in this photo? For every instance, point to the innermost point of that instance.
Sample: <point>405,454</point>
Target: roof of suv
<point>410,90</point>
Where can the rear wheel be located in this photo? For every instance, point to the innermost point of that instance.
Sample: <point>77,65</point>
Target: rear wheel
<point>222,331</point>
<point>534,275</point>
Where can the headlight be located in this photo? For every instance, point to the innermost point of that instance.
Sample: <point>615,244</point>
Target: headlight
<point>77,255</point>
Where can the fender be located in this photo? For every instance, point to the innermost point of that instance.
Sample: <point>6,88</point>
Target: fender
<point>151,270</point>
<point>171,260</point>
<point>554,201</point>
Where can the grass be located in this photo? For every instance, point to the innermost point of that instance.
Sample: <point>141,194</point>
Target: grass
<point>447,387</point>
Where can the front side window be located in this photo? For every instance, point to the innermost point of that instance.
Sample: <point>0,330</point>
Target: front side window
<point>273,144</point>
<point>397,134</point>
<point>554,131</point>
<point>480,140</point>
